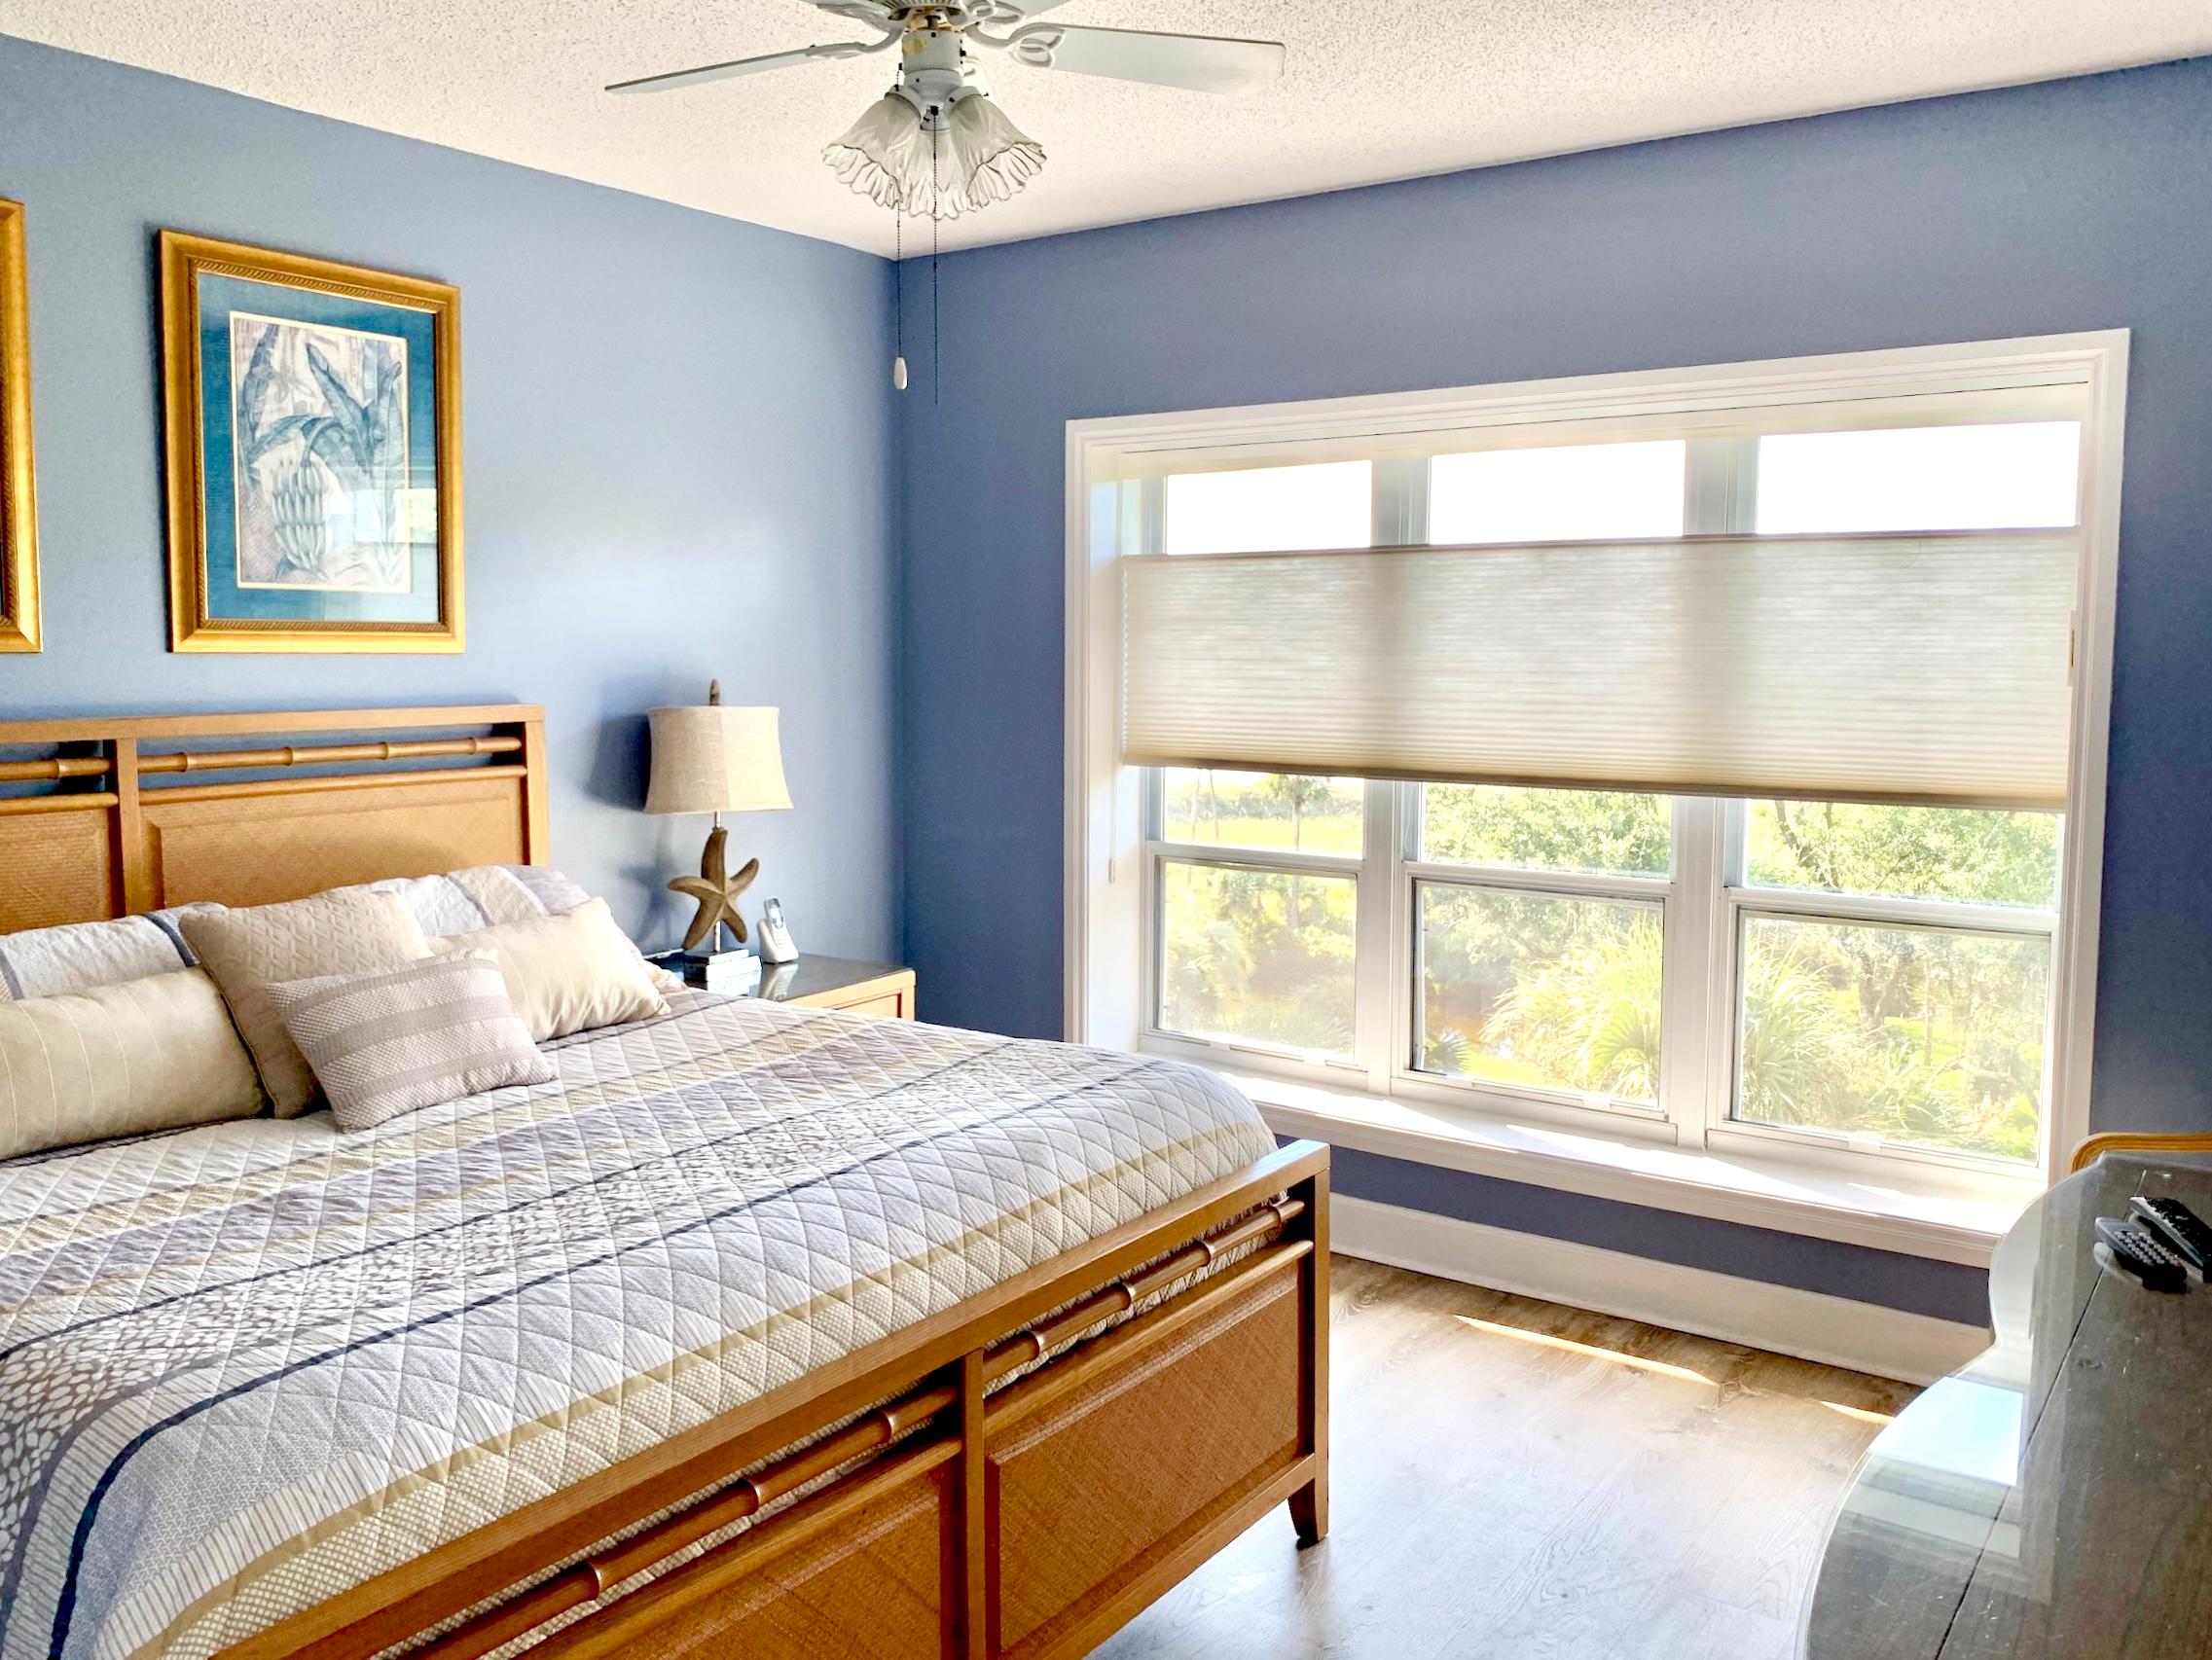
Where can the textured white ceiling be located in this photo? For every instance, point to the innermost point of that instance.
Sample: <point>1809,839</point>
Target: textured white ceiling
<point>1373,91</point>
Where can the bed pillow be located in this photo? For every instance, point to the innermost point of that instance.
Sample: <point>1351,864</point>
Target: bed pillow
<point>46,962</point>
<point>523,894</point>
<point>393,1040</point>
<point>486,896</point>
<point>250,950</point>
<point>570,973</point>
<point>482,896</point>
<point>155,1053</point>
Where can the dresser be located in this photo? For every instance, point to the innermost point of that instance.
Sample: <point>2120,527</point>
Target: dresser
<point>2054,1496</point>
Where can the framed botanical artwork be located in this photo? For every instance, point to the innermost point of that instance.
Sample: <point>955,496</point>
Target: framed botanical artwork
<point>315,467</point>
<point>18,514</point>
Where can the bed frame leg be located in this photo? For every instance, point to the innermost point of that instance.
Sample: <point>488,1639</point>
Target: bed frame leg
<point>1309,1511</point>
<point>1309,1505</point>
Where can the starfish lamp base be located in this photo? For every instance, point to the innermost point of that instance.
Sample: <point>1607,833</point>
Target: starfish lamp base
<point>716,892</point>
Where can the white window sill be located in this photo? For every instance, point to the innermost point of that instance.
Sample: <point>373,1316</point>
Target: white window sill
<point>1758,1191</point>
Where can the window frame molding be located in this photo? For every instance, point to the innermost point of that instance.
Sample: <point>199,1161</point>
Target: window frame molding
<point>1109,865</point>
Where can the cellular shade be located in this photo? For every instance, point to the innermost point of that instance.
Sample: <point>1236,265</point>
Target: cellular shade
<point>1929,669</point>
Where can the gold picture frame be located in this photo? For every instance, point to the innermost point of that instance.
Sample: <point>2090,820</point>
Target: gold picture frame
<point>264,564</point>
<point>18,508</point>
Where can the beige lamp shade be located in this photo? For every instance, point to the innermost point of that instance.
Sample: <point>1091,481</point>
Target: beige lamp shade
<point>716,758</point>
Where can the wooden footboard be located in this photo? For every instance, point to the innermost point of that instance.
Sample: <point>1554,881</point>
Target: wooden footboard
<point>968,1517</point>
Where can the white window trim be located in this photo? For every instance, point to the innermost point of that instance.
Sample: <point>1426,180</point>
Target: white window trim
<point>1106,872</point>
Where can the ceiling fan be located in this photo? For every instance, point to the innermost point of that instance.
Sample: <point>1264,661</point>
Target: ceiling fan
<point>937,145</point>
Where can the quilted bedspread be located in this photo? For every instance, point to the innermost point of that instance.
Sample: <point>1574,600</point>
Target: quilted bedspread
<point>245,1367</point>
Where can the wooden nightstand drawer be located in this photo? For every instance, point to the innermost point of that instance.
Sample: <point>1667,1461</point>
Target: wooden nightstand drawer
<point>893,1007</point>
<point>882,989</point>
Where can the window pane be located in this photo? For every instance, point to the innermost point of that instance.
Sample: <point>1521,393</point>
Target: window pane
<point>1904,852</point>
<point>1914,1035</point>
<point>1919,478</point>
<point>1569,493</point>
<point>1536,990</point>
<point>1260,510</point>
<point>1285,811</point>
<point>1263,956</point>
<point>1599,832</point>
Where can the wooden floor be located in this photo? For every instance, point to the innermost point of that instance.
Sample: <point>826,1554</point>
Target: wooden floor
<point>1516,1478</point>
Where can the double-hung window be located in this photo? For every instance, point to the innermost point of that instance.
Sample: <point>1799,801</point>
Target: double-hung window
<point>1708,761</point>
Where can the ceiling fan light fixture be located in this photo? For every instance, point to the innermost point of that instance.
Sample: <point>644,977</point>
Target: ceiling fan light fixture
<point>895,154</point>
<point>976,157</point>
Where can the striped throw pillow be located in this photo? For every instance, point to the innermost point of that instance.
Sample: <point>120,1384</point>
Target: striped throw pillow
<point>393,1040</point>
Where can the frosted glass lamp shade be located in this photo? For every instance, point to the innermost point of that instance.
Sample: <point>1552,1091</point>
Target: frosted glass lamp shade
<point>891,157</point>
<point>716,758</point>
<point>988,157</point>
<point>884,156</point>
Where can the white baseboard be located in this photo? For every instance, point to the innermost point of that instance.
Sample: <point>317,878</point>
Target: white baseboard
<point>1836,1331</point>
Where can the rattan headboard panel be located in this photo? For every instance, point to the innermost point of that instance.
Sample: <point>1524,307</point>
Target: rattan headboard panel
<point>56,867</point>
<point>303,845</point>
<point>112,835</point>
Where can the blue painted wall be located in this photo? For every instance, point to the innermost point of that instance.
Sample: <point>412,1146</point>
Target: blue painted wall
<point>2077,204</point>
<point>677,440</point>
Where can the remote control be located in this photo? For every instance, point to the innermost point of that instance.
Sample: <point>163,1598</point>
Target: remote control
<point>2124,1247</point>
<point>2181,1227</point>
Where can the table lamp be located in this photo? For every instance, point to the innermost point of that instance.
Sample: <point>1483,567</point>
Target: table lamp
<point>715,759</point>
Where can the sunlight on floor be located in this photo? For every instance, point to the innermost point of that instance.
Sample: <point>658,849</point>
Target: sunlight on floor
<point>1569,1346</point>
<point>1858,1412</point>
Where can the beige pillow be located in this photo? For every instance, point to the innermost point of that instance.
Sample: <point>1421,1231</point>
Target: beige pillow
<point>394,1041</point>
<point>249,950</point>
<point>157,1053</point>
<point>574,972</point>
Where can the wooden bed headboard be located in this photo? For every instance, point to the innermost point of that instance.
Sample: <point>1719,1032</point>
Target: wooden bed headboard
<point>133,813</point>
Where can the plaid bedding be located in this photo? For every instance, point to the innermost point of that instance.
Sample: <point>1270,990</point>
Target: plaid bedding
<point>247,1366</point>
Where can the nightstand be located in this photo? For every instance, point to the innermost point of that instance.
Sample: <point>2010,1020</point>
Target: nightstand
<point>840,983</point>
<point>830,983</point>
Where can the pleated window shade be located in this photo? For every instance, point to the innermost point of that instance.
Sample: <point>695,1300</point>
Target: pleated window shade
<point>1927,669</point>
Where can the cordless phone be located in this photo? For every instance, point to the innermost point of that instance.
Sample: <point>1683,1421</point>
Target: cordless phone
<point>775,938</point>
<point>2131,1250</point>
<point>2179,1228</point>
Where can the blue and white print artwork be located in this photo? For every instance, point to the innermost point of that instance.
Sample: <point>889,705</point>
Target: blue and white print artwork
<point>321,456</point>
<point>323,474</point>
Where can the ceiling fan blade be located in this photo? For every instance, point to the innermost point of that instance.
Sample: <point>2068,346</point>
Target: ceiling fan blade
<point>1203,63</point>
<point>876,14</point>
<point>746,66</point>
<point>994,13</point>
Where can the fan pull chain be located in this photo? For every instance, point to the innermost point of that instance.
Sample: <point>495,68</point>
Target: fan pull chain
<point>898,298</point>
<point>936,221</point>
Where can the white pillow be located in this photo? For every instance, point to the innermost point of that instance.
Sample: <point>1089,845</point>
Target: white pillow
<point>482,896</point>
<point>77,956</point>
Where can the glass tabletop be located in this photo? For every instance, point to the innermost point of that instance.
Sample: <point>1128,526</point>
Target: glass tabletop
<point>2051,1496</point>
<point>812,976</point>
